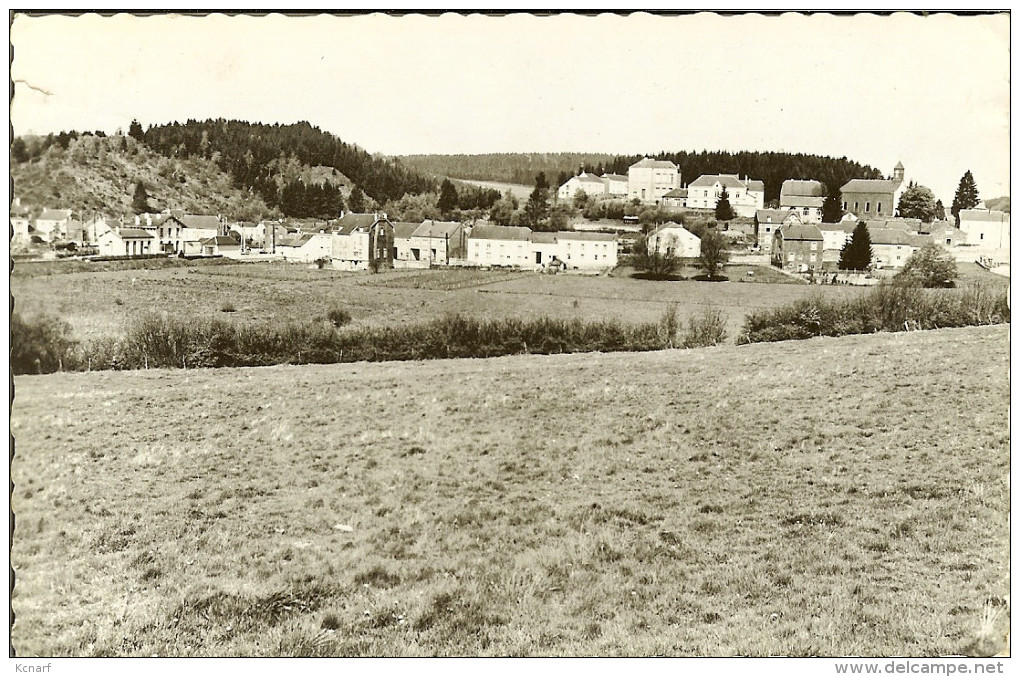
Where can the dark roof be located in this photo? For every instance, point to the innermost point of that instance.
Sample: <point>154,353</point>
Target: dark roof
<point>756,186</point>
<point>896,223</point>
<point>800,231</point>
<point>134,233</point>
<point>578,235</point>
<point>404,229</point>
<point>726,180</point>
<point>894,236</point>
<point>870,186</point>
<point>221,241</point>
<point>544,238</point>
<point>295,240</point>
<point>676,192</point>
<point>650,163</point>
<point>590,178</point>
<point>486,232</point>
<point>614,177</point>
<point>200,221</point>
<point>843,226</point>
<point>351,222</point>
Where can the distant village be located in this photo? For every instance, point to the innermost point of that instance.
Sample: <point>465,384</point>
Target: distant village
<point>792,235</point>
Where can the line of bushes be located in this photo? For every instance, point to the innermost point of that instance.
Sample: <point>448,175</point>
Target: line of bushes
<point>888,307</point>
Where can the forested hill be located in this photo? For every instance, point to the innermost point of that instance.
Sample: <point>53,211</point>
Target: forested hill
<point>255,154</point>
<point>772,168</point>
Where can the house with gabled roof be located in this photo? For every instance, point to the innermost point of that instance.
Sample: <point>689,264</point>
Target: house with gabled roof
<point>676,198</point>
<point>306,247</point>
<point>806,198</point>
<point>436,242</point>
<point>986,228</point>
<point>673,237</point>
<point>648,180</point>
<point>126,242</point>
<point>491,245</point>
<point>51,225</point>
<point>767,221</point>
<point>797,247</point>
<point>402,257</point>
<point>362,242</point>
<point>891,247</point>
<point>877,198</point>
<point>746,195</point>
<point>591,185</point>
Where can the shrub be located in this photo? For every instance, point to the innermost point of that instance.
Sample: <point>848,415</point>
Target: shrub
<point>706,329</point>
<point>889,307</point>
<point>670,324</point>
<point>228,307</point>
<point>338,317</point>
<point>40,346</point>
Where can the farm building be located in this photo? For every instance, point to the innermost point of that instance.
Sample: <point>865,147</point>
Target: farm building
<point>126,242</point>
<point>797,247</point>
<point>362,241</point>
<point>221,245</point>
<point>674,237</point>
<point>306,247</point>
<point>891,247</point>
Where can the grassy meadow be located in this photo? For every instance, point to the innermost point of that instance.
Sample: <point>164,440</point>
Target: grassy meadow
<point>835,496</point>
<point>104,303</point>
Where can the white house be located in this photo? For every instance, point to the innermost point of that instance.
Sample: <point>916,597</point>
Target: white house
<point>985,228</point>
<point>126,242</point>
<point>586,251</point>
<point>509,246</point>
<point>402,258</point>
<point>746,195</point>
<point>891,247</point>
<point>616,185</point>
<point>806,198</point>
<point>768,221</point>
<point>52,224</point>
<point>648,180</point>
<point>674,237</point>
<point>593,186</point>
<point>306,247</point>
<point>21,220</point>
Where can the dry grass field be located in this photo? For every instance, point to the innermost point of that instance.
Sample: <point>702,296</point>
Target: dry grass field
<point>824,497</point>
<point>102,303</point>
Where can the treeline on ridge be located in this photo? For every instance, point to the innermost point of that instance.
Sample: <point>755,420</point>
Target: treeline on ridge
<point>771,167</point>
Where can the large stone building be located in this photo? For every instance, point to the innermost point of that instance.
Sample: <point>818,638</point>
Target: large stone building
<point>878,198</point>
<point>797,247</point>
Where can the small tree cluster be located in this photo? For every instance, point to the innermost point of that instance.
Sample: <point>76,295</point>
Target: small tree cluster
<point>930,266</point>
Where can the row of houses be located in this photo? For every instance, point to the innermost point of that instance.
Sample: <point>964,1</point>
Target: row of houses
<point>802,247</point>
<point>658,182</point>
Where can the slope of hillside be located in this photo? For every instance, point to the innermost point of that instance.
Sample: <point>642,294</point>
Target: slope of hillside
<point>825,497</point>
<point>98,175</point>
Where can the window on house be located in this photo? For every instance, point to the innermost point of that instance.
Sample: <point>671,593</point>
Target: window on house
<point>981,236</point>
<point>857,205</point>
<point>879,210</point>
<point>844,206</point>
<point>867,206</point>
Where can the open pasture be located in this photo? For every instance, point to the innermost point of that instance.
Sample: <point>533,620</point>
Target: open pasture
<point>824,497</point>
<point>103,303</point>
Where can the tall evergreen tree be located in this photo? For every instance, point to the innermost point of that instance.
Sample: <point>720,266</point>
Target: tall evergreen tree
<point>537,207</point>
<point>723,208</point>
<point>857,254</point>
<point>135,131</point>
<point>966,195</point>
<point>140,199</point>
<point>357,200</point>
<point>832,208</point>
<point>447,197</point>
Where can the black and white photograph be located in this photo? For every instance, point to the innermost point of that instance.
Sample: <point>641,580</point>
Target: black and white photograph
<point>572,334</point>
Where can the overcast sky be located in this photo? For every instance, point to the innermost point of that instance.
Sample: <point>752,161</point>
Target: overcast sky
<point>931,92</point>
